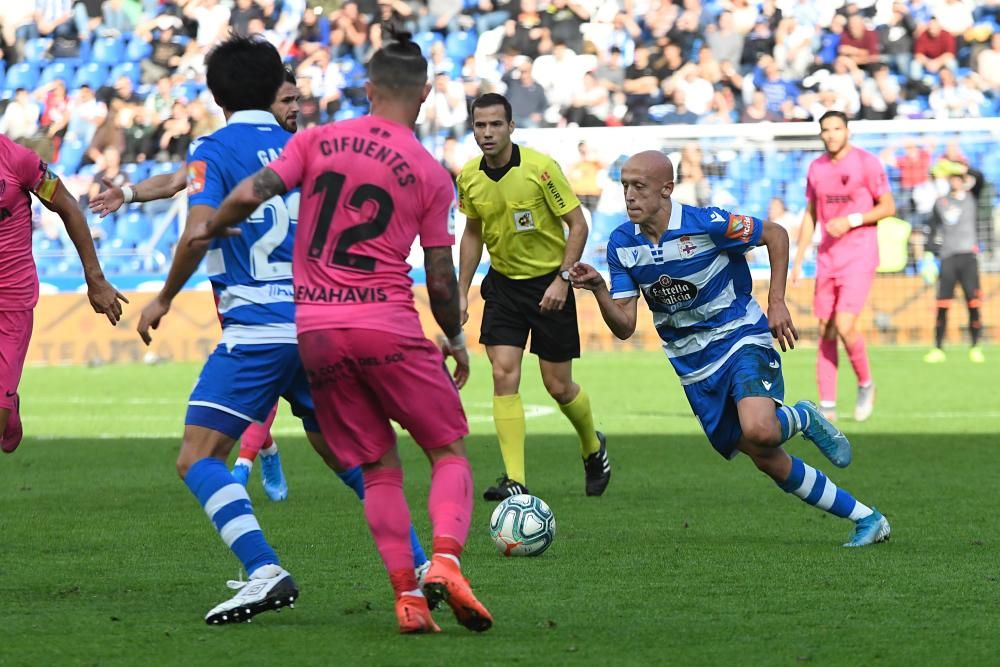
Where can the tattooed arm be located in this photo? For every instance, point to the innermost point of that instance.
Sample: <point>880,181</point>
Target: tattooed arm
<point>244,200</point>
<point>442,289</point>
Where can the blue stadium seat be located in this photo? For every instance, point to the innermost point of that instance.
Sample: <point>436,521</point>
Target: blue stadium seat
<point>134,229</point>
<point>70,154</point>
<point>460,45</point>
<point>346,112</point>
<point>425,39</point>
<point>115,264</point>
<point>109,50</point>
<point>156,208</point>
<point>168,240</point>
<point>21,75</point>
<point>49,263</point>
<point>137,49</point>
<point>46,245</point>
<point>131,70</point>
<point>94,75</point>
<point>103,229</point>
<point>37,49</point>
<point>56,71</point>
<point>991,166</point>
<point>164,168</point>
<point>189,90</point>
<point>136,171</point>
<point>603,222</point>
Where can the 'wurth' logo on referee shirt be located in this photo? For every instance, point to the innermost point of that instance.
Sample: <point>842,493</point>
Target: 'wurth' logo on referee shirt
<point>551,187</point>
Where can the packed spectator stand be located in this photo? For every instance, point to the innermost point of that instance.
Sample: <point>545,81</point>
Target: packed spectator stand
<point>114,89</point>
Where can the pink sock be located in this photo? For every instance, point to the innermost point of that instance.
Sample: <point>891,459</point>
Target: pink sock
<point>826,371</point>
<point>450,501</point>
<point>257,436</point>
<point>389,517</point>
<point>857,352</point>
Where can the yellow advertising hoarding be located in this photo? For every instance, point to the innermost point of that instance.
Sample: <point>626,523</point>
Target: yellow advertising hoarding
<point>66,330</point>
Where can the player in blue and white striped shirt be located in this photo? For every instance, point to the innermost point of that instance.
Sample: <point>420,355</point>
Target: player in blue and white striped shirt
<point>688,264</point>
<point>257,359</point>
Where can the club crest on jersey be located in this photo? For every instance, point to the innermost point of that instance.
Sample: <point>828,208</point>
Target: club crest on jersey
<point>740,227</point>
<point>545,177</point>
<point>686,247</point>
<point>196,177</point>
<point>524,221</point>
<point>669,291</point>
<point>844,178</point>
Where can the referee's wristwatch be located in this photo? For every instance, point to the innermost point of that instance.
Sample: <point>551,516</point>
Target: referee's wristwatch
<point>564,274</point>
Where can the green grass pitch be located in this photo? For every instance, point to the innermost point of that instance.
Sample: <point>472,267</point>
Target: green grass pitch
<point>106,559</point>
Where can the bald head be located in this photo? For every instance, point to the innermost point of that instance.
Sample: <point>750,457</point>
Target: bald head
<point>654,164</point>
<point>647,181</point>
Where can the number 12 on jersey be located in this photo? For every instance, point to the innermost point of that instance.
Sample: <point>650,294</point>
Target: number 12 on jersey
<point>331,185</point>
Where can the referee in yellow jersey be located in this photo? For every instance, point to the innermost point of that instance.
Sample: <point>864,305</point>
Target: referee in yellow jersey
<point>516,201</point>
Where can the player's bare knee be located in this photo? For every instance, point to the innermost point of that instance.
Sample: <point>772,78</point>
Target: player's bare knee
<point>456,448</point>
<point>761,432</point>
<point>505,380</point>
<point>561,391</point>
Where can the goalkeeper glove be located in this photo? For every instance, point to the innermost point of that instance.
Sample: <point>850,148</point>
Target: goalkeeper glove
<point>928,268</point>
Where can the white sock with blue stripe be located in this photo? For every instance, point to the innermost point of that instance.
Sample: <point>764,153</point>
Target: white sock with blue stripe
<point>812,486</point>
<point>227,504</point>
<point>792,419</point>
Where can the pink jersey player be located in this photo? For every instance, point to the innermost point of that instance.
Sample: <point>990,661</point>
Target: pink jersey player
<point>22,172</point>
<point>368,190</point>
<point>847,193</point>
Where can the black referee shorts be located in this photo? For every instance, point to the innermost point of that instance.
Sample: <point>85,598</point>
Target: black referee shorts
<point>960,269</point>
<point>511,312</point>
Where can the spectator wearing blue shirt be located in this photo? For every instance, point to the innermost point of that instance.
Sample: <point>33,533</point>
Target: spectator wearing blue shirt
<point>775,88</point>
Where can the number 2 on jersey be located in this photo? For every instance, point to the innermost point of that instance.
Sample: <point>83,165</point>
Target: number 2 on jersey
<point>282,213</point>
<point>331,183</point>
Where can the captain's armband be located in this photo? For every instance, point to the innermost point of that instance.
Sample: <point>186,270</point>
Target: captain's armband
<point>47,184</point>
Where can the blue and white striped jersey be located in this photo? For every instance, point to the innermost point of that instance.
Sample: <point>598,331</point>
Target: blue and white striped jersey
<point>251,274</point>
<point>697,284</point>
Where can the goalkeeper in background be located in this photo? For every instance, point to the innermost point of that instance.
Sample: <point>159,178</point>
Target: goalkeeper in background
<point>953,238</point>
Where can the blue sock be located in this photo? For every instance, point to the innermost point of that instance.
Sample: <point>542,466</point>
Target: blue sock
<point>815,488</point>
<point>228,506</point>
<point>356,481</point>
<point>792,419</point>
<point>419,557</point>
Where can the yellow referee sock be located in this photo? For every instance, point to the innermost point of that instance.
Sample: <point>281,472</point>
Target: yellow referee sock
<point>508,416</point>
<point>578,412</point>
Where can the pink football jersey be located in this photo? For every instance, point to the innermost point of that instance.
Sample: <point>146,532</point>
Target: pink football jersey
<point>839,188</point>
<point>368,189</point>
<point>21,172</point>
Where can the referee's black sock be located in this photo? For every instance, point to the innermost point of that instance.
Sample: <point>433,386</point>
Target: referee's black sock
<point>939,326</point>
<point>975,325</point>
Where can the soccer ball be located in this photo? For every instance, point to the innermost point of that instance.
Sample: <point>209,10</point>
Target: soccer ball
<point>522,525</point>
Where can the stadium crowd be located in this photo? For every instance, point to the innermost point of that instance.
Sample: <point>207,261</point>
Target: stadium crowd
<point>115,88</point>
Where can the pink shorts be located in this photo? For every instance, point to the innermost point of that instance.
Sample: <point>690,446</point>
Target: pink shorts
<point>15,333</point>
<point>842,292</point>
<point>362,378</point>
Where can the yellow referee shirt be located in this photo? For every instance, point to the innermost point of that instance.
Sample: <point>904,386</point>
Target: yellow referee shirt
<point>521,206</point>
